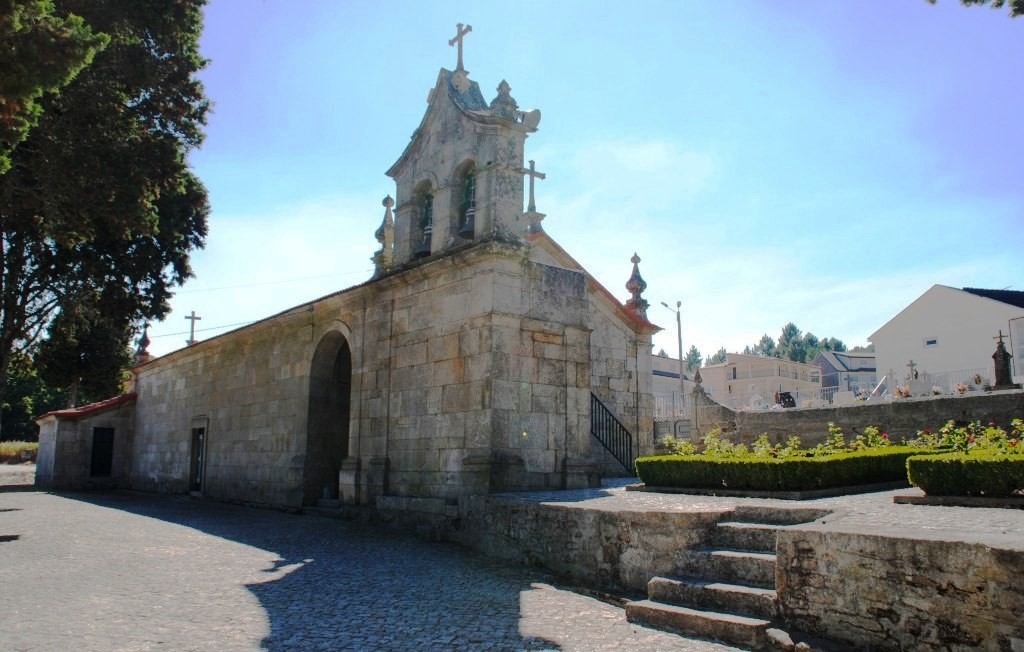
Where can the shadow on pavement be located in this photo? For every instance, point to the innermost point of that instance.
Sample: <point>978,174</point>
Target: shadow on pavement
<point>342,585</point>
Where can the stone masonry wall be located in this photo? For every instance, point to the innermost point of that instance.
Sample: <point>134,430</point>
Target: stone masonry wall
<point>611,550</point>
<point>621,378</point>
<point>249,390</point>
<point>898,418</point>
<point>889,593</point>
<point>65,450</point>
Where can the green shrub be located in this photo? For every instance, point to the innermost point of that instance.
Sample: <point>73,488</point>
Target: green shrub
<point>16,452</point>
<point>979,473</point>
<point>751,473</point>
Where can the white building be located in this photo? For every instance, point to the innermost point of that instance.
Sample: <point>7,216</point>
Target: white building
<point>947,335</point>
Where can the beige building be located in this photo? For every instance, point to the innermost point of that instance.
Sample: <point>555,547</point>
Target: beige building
<point>745,380</point>
<point>480,357</point>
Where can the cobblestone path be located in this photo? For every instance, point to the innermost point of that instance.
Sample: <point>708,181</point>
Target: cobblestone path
<point>133,572</point>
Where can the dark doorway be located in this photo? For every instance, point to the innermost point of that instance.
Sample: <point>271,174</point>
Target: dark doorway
<point>198,469</point>
<point>102,452</point>
<point>330,386</point>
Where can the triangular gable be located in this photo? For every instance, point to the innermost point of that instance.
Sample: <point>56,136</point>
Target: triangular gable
<point>562,257</point>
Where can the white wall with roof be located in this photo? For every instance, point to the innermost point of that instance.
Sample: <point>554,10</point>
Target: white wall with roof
<point>944,330</point>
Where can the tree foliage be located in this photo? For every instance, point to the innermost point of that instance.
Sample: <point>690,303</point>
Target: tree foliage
<point>1016,6</point>
<point>99,205</point>
<point>85,350</point>
<point>28,396</point>
<point>693,359</point>
<point>717,358</point>
<point>41,52</point>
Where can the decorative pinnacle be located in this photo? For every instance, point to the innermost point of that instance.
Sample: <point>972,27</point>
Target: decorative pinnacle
<point>504,105</point>
<point>385,235</point>
<point>143,341</point>
<point>636,285</point>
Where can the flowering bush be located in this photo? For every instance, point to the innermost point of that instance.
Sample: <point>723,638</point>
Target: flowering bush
<point>973,436</point>
<point>961,388</point>
<point>937,391</point>
<point>901,391</point>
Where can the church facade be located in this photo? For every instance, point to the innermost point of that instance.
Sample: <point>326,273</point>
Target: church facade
<point>480,357</point>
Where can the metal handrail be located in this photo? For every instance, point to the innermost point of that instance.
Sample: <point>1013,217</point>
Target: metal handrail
<point>614,436</point>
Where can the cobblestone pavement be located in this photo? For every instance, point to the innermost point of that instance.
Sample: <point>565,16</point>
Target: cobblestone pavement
<point>126,571</point>
<point>868,513</point>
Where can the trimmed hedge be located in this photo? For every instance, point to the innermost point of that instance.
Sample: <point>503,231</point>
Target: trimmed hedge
<point>871,466</point>
<point>976,474</point>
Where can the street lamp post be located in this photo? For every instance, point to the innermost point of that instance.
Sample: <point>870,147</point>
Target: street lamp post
<point>679,336</point>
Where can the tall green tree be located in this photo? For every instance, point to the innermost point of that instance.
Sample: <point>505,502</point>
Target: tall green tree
<point>85,350</point>
<point>717,358</point>
<point>100,201</point>
<point>791,343</point>
<point>1016,6</point>
<point>41,52</point>
<point>28,396</point>
<point>692,359</point>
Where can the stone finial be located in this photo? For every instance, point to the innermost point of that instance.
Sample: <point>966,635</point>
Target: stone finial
<point>142,354</point>
<point>697,380</point>
<point>636,285</point>
<point>504,105</point>
<point>385,234</point>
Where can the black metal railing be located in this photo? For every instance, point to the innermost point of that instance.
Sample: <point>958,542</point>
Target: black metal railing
<point>613,435</point>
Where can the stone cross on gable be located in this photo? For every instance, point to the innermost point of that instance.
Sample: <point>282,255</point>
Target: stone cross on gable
<point>192,328</point>
<point>533,174</point>
<point>459,35</point>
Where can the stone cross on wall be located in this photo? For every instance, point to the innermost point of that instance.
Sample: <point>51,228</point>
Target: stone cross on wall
<point>1004,375</point>
<point>911,365</point>
<point>459,35</point>
<point>192,328</point>
<point>533,174</point>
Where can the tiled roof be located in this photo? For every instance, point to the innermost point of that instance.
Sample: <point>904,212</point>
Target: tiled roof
<point>1010,297</point>
<point>92,408</point>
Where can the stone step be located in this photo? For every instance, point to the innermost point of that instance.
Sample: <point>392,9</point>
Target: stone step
<point>777,515</point>
<point>719,596</point>
<point>744,536</point>
<point>733,566</point>
<point>725,627</point>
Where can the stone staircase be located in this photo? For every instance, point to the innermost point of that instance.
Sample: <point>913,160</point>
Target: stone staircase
<point>726,589</point>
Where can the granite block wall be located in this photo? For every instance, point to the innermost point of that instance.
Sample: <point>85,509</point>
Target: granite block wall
<point>898,418</point>
<point>891,593</point>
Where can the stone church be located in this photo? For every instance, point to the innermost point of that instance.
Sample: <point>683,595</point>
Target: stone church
<point>480,357</point>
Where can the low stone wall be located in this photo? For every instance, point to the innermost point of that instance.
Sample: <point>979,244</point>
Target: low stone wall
<point>871,590</point>
<point>898,418</point>
<point>888,593</point>
<point>605,550</point>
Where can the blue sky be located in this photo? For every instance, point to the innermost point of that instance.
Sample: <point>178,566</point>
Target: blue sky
<point>817,162</point>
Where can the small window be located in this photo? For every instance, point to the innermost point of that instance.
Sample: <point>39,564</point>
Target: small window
<point>931,341</point>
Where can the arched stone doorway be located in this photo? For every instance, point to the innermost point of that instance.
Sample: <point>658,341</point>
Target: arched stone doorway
<point>330,388</point>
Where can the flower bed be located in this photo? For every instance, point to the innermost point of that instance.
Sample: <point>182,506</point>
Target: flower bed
<point>795,473</point>
<point>985,461</point>
<point>981,473</point>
